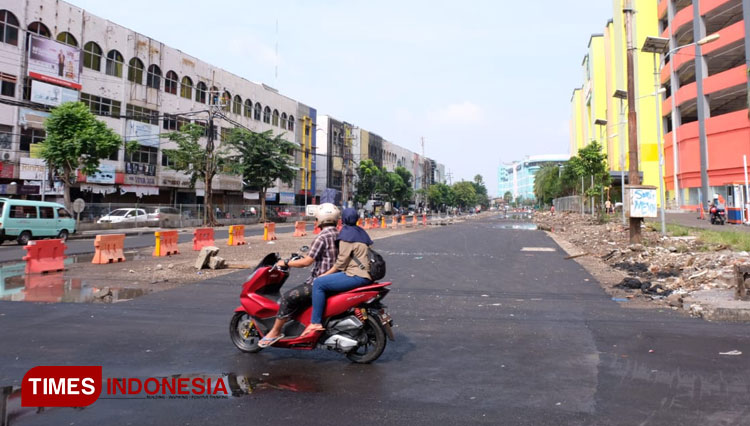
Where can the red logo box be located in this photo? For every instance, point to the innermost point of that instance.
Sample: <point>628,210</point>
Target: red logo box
<point>61,386</point>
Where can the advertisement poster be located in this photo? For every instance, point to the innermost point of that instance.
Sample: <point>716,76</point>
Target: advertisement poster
<point>54,62</point>
<point>49,94</point>
<point>32,168</point>
<point>106,174</point>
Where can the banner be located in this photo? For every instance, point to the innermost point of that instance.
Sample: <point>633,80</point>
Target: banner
<point>286,198</point>
<point>48,94</point>
<point>143,133</point>
<point>32,169</point>
<point>106,174</point>
<point>54,62</point>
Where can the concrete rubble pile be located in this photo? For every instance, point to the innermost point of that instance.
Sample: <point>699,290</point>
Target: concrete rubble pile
<point>666,268</point>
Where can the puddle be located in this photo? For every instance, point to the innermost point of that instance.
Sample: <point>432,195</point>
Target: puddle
<point>521,226</point>
<point>55,287</point>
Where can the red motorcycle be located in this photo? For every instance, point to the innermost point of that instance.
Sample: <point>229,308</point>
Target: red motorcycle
<point>717,215</point>
<point>356,323</point>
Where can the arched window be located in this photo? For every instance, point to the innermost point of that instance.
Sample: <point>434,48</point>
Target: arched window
<point>237,105</point>
<point>67,38</point>
<point>92,56</point>
<point>39,29</point>
<point>200,92</point>
<point>283,120</point>
<point>226,101</point>
<point>290,123</point>
<point>267,115</point>
<point>114,63</point>
<point>213,95</point>
<point>135,71</point>
<point>170,82</point>
<point>275,119</point>
<point>186,87</point>
<point>8,28</point>
<point>153,77</point>
<point>248,108</point>
<point>257,111</point>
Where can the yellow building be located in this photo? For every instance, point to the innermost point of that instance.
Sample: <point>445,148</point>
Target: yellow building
<point>597,114</point>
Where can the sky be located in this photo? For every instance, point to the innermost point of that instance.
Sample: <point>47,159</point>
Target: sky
<point>483,82</point>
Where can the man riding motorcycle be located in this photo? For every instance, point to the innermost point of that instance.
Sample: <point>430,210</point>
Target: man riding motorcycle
<point>322,256</point>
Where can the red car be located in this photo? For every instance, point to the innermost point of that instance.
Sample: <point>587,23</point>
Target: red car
<point>285,213</point>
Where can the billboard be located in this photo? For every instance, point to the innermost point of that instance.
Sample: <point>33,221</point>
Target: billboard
<point>49,94</point>
<point>143,133</point>
<point>54,62</point>
<point>32,169</point>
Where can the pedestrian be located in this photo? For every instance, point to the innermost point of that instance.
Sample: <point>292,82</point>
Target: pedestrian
<point>608,206</point>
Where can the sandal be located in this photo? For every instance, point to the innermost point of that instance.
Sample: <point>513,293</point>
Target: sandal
<point>269,341</point>
<point>312,328</point>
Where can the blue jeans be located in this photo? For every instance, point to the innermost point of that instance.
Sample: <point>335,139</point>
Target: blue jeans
<point>333,283</point>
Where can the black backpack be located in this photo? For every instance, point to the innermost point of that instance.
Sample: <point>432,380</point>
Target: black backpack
<point>377,264</point>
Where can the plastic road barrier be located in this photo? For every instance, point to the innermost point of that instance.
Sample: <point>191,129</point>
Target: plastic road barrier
<point>300,229</point>
<point>236,235</point>
<point>108,248</point>
<point>166,243</point>
<point>44,256</point>
<point>269,231</point>
<point>203,237</point>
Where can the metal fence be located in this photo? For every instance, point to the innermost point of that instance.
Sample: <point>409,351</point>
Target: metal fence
<point>572,203</point>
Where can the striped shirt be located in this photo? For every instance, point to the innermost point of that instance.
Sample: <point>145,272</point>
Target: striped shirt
<point>324,252</point>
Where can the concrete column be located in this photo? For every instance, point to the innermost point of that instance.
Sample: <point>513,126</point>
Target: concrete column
<point>746,16</point>
<point>704,111</point>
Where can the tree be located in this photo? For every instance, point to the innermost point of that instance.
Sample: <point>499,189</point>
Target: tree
<point>481,189</point>
<point>440,195</point>
<point>405,192</point>
<point>390,186</point>
<point>547,184</point>
<point>196,160</point>
<point>508,197</point>
<point>368,176</point>
<point>261,159</point>
<point>76,140</point>
<point>466,195</point>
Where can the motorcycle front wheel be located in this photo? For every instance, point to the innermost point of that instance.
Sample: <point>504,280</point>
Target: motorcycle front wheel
<point>373,345</point>
<point>243,333</point>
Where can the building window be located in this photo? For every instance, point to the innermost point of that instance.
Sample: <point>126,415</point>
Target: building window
<point>267,115</point>
<point>114,63</point>
<point>257,111</point>
<point>336,179</point>
<point>200,92</point>
<point>8,28</point>
<point>275,120</point>
<point>283,120</point>
<point>6,137</point>
<point>290,123</point>
<point>92,56</point>
<point>7,85</point>
<point>67,38</point>
<point>143,155</point>
<point>144,115</point>
<point>225,133</point>
<point>237,105</point>
<point>135,71</point>
<point>226,100</point>
<point>30,136</point>
<point>214,95</point>
<point>170,83</point>
<point>101,106</point>
<point>153,77</point>
<point>39,29</point>
<point>170,122</point>
<point>248,112</point>
<point>186,87</point>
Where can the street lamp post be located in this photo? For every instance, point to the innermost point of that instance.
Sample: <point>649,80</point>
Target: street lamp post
<point>660,45</point>
<point>622,96</point>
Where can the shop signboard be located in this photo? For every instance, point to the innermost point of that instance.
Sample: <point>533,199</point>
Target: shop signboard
<point>642,201</point>
<point>54,62</point>
<point>6,170</point>
<point>143,133</point>
<point>286,198</point>
<point>49,94</point>
<point>32,169</point>
<point>141,180</point>
<point>105,174</point>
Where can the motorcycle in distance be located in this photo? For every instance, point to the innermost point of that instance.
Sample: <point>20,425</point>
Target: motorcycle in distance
<point>717,215</point>
<point>356,323</point>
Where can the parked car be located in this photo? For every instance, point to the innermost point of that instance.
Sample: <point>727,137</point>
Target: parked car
<point>124,216</point>
<point>24,220</point>
<point>274,216</point>
<point>165,216</point>
<point>285,213</point>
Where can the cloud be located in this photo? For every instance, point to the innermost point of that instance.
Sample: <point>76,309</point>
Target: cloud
<point>461,113</point>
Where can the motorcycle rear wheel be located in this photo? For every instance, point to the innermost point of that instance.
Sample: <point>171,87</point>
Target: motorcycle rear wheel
<point>370,351</point>
<point>243,333</point>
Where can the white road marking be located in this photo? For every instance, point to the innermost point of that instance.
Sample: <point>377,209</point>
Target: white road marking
<point>544,249</point>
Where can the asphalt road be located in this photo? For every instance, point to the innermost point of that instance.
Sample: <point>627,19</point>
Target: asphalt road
<point>10,251</point>
<point>487,334</point>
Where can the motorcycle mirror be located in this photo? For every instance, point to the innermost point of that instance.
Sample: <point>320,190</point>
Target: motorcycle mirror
<point>304,249</point>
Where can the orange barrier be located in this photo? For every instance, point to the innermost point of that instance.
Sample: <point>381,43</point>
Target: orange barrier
<point>414,221</point>
<point>403,220</point>
<point>203,237</point>
<point>108,249</point>
<point>166,243</point>
<point>359,222</point>
<point>300,229</point>
<point>394,223</point>
<point>365,224</point>
<point>382,225</point>
<point>316,229</point>
<point>44,256</point>
<point>374,223</point>
<point>424,220</point>
<point>236,235</point>
<point>269,231</point>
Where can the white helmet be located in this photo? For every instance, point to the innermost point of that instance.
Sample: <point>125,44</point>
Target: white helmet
<point>327,214</point>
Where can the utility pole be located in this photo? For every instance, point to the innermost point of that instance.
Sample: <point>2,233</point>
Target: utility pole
<point>633,176</point>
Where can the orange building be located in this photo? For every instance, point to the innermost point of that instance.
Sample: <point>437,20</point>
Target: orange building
<point>723,108</point>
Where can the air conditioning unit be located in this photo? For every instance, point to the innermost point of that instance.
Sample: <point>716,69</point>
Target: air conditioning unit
<point>6,156</point>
